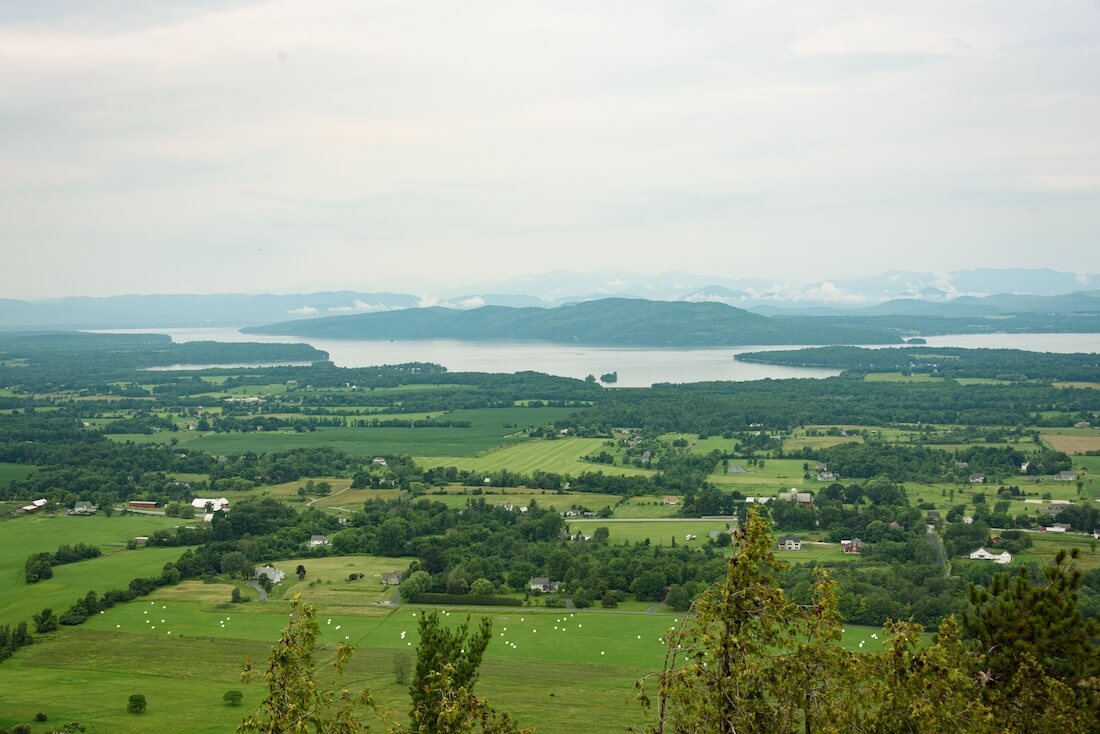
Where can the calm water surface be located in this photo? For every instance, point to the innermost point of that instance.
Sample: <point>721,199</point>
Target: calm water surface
<point>637,367</point>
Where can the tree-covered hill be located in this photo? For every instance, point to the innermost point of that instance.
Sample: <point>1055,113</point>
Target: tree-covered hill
<point>611,321</point>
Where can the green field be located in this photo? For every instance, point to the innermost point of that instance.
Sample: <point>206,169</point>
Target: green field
<point>561,456</point>
<point>556,670</point>
<point>657,532</point>
<point>22,536</point>
<point>11,472</point>
<point>490,428</point>
<point>899,377</point>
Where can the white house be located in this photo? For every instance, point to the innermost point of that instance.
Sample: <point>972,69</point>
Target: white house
<point>983,555</point>
<point>790,543</point>
<point>216,505</point>
<point>318,540</point>
<point>543,584</point>
<point>273,574</point>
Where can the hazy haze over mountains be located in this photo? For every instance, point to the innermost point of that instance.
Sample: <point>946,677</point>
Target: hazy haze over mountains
<point>968,293</point>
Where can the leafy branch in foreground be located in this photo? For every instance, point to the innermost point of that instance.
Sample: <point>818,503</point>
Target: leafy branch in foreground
<point>747,660</point>
<point>442,695</point>
<point>295,701</point>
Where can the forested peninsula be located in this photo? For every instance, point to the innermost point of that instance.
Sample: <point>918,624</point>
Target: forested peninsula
<point>610,321</point>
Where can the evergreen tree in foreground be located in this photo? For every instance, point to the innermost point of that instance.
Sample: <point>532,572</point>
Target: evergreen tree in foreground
<point>747,660</point>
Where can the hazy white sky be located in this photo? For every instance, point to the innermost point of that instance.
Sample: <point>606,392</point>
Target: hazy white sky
<point>276,146</point>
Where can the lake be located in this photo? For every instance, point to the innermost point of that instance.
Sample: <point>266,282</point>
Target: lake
<point>637,367</point>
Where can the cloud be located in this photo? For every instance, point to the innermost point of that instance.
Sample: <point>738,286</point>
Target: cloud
<point>746,136</point>
<point>359,306</point>
<point>472,302</point>
<point>427,302</point>
<point>831,293</point>
<point>304,311</point>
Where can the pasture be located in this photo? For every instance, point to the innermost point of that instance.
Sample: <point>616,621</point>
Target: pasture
<point>11,472</point>
<point>562,456</point>
<point>899,377</point>
<point>1045,547</point>
<point>490,427</point>
<point>556,670</point>
<point>776,474</point>
<point>22,536</point>
<point>656,531</point>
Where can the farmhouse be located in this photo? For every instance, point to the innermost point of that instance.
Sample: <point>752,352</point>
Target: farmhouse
<point>543,584</point>
<point>977,478</point>
<point>83,508</point>
<point>672,500</point>
<point>790,543</point>
<point>378,461</point>
<point>793,495</point>
<point>216,505</point>
<point>392,578</point>
<point>983,555</point>
<point>1082,424</point>
<point>273,574</point>
<point>1067,476</point>
<point>142,504</point>
<point>827,476</point>
<point>736,469</point>
<point>855,545</point>
<point>315,540</point>
<point>36,505</point>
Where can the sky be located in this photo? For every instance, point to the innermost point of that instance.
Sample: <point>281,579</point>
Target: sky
<point>232,145</point>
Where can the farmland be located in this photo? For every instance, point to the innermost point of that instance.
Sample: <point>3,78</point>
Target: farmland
<point>562,456</point>
<point>114,569</point>
<point>488,429</point>
<point>1073,440</point>
<point>537,659</point>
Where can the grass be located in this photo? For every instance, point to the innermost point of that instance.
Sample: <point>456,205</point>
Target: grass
<point>22,536</point>
<point>560,456</point>
<point>899,377</point>
<point>12,472</point>
<point>657,532</point>
<point>459,496</point>
<point>491,427</point>
<point>1072,440</point>
<point>557,670</point>
<point>775,475</point>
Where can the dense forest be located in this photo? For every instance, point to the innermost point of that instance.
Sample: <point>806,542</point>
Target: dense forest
<point>952,362</point>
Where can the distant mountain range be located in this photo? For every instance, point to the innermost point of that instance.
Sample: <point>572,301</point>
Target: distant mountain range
<point>611,322</point>
<point>972,293</point>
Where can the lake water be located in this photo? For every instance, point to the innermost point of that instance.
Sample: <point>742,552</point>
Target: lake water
<point>637,367</point>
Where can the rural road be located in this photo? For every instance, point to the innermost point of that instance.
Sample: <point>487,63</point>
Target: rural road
<point>259,589</point>
<point>935,541</point>
<point>722,518</point>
